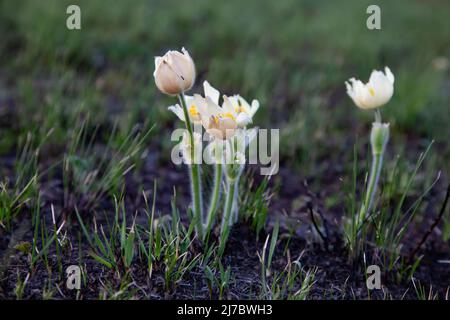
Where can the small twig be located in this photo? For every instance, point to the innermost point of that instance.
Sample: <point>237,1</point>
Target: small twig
<point>430,230</point>
<point>322,236</point>
<point>325,223</point>
<point>314,196</point>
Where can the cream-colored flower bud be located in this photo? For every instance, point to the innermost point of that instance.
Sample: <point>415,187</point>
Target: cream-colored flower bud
<point>174,72</point>
<point>379,137</point>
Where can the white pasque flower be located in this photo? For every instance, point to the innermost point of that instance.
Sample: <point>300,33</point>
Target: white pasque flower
<point>222,121</point>
<point>375,93</point>
<point>194,103</point>
<point>174,72</point>
<point>235,105</point>
<point>241,108</point>
<point>219,121</point>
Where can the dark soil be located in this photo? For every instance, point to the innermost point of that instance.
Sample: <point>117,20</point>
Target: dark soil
<point>336,278</point>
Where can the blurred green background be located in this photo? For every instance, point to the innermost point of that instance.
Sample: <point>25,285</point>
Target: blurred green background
<point>293,56</point>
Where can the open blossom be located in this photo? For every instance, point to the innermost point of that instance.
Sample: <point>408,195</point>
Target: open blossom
<point>219,124</point>
<point>375,93</point>
<point>195,103</point>
<point>192,103</point>
<point>222,121</point>
<point>235,113</point>
<point>219,121</point>
<point>174,72</point>
<point>243,111</point>
<point>235,106</point>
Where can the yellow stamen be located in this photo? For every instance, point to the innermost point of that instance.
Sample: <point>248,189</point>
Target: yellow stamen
<point>228,115</point>
<point>193,111</point>
<point>372,92</point>
<point>239,109</point>
<point>217,118</point>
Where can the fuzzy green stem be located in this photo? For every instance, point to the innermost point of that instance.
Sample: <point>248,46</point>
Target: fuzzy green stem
<point>196,188</point>
<point>227,212</point>
<point>234,217</point>
<point>378,142</point>
<point>377,115</point>
<point>377,163</point>
<point>215,195</point>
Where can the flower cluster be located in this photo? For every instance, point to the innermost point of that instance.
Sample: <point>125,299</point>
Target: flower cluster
<point>225,120</point>
<point>219,121</point>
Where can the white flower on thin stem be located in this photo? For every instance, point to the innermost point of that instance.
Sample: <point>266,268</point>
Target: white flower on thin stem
<point>174,72</point>
<point>222,121</point>
<point>196,102</point>
<point>243,110</point>
<point>192,106</point>
<point>219,121</point>
<point>375,93</point>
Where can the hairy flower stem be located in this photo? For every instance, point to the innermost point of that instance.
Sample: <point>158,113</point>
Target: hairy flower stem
<point>360,230</point>
<point>196,188</point>
<point>225,227</point>
<point>377,163</point>
<point>378,139</point>
<point>215,195</point>
<point>234,216</point>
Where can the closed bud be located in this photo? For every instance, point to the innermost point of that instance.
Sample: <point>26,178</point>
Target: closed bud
<point>174,72</point>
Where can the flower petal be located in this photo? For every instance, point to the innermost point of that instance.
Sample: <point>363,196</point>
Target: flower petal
<point>389,74</point>
<point>243,119</point>
<point>211,92</point>
<point>178,111</point>
<point>254,107</point>
<point>227,106</point>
